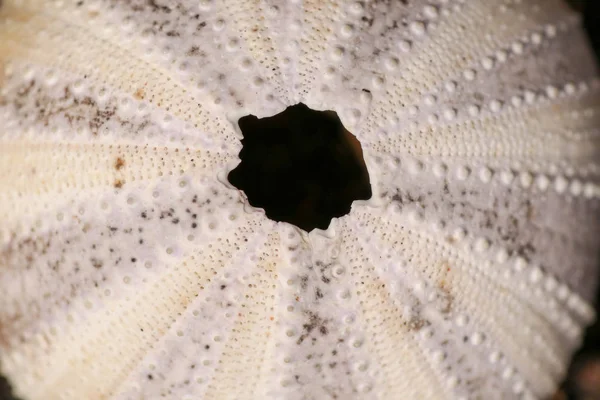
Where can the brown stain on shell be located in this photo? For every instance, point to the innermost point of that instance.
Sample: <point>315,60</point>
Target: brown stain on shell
<point>7,329</point>
<point>444,285</point>
<point>16,15</point>
<point>2,75</point>
<point>119,163</point>
<point>14,46</point>
<point>139,94</point>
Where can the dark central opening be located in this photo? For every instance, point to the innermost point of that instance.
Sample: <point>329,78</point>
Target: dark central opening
<point>301,166</point>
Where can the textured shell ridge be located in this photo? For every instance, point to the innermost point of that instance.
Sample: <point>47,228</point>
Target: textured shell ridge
<point>130,268</point>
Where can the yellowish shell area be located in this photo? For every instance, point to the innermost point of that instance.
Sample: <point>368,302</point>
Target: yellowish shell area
<point>131,269</point>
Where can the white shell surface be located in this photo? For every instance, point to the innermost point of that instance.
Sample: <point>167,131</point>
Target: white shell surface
<point>131,269</point>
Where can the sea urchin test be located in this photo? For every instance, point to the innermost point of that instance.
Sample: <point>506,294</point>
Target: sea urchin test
<point>317,199</point>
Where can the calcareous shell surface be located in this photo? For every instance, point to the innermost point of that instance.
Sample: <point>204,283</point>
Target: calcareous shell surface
<point>131,269</point>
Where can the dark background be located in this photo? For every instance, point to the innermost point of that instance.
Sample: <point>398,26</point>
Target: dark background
<point>583,380</point>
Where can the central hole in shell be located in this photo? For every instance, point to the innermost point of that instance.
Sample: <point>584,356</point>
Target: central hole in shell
<point>301,166</point>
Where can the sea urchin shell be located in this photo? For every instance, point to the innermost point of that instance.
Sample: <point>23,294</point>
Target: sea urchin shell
<point>131,268</point>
